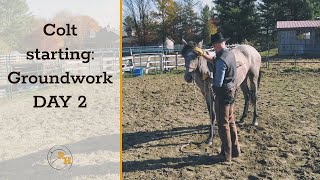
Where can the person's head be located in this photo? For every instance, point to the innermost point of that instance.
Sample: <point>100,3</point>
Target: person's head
<point>218,41</point>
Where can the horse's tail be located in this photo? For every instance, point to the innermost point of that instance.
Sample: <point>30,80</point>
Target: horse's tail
<point>259,78</point>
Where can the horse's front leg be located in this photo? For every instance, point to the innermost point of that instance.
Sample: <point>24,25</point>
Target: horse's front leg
<point>210,107</point>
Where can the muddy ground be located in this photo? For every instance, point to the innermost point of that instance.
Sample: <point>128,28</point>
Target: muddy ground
<point>161,114</point>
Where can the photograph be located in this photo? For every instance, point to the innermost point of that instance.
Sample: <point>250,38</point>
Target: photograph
<point>221,89</point>
<point>159,89</point>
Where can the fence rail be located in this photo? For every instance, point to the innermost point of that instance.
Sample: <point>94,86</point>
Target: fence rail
<point>151,62</point>
<point>152,58</point>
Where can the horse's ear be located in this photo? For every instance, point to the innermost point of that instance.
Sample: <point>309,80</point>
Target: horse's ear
<point>200,43</point>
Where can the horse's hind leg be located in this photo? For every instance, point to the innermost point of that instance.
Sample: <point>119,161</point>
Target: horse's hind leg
<point>246,93</point>
<point>254,93</point>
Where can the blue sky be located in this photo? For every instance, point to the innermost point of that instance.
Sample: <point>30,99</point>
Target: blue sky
<point>209,2</point>
<point>106,12</point>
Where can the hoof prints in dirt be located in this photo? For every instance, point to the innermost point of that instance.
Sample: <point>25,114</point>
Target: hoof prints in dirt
<point>161,114</point>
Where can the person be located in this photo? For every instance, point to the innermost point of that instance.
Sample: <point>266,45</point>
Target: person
<point>224,88</point>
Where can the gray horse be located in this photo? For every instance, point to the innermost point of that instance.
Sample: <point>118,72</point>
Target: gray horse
<point>201,72</point>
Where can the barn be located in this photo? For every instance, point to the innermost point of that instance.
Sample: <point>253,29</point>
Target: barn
<point>299,37</point>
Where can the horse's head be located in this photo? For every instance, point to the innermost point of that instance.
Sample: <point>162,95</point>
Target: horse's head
<point>191,61</point>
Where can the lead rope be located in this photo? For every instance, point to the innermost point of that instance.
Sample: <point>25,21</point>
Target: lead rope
<point>195,97</point>
<point>194,87</point>
<point>211,114</point>
<point>181,149</point>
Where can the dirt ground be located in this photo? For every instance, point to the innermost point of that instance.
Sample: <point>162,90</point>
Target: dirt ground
<point>161,114</point>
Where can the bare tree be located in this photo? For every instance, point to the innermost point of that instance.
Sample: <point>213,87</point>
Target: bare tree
<point>140,11</point>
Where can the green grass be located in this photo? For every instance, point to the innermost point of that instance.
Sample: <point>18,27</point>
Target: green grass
<point>297,69</point>
<point>272,52</point>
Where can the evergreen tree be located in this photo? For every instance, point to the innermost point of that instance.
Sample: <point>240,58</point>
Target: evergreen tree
<point>14,24</point>
<point>207,26</point>
<point>315,6</point>
<point>128,25</point>
<point>189,21</point>
<point>297,10</point>
<point>237,19</point>
<point>176,28</point>
<point>271,11</point>
<point>166,15</point>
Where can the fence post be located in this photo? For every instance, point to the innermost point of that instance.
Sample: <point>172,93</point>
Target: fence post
<point>295,60</point>
<point>176,60</point>
<point>161,62</point>
<point>140,59</point>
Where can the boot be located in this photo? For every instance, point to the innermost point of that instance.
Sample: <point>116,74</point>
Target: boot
<point>234,140</point>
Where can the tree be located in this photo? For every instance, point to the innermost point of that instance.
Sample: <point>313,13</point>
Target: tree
<point>237,19</point>
<point>315,6</point>
<point>85,26</point>
<point>271,11</point>
<point>139,11</point>
<point>190,22</point>
<point>176,28</point>
<point>166,15</point>
<point>297,10</point>
<point>128,25</point>
<point>207,25</point>
<point>36,39</point>
<point>14,23</point>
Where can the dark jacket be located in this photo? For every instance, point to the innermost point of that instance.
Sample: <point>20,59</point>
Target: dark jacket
<point>231,71</point>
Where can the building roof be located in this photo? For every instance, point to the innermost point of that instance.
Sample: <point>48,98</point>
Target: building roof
<point>298,24</point>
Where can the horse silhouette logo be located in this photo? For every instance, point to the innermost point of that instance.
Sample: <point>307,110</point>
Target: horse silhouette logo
<point>60,157</point>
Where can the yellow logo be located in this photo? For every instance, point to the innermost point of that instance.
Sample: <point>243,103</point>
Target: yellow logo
<point>60,157</point>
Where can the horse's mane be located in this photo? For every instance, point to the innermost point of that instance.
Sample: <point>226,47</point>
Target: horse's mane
<point>203,65</point>
<point>187,48</point>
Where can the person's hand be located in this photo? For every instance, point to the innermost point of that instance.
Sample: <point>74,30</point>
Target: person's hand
<point>199,51</point>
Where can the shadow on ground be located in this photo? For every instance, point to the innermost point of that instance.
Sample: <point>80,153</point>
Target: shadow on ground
<point>175,163</point>
<point>136,139</point>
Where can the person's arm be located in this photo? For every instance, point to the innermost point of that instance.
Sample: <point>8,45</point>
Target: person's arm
<point>202,53</point>
<point>208,57</point>
<point>220,73</point>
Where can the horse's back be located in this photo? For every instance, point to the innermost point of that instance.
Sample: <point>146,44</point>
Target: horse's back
<point>248,59</point>
<point>252,55</point>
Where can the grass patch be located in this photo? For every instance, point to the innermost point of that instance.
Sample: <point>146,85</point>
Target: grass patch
<point>298,69</point>
<point>272,52</point>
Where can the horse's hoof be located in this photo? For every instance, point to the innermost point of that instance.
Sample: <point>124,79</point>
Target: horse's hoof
<point>255,123</point>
